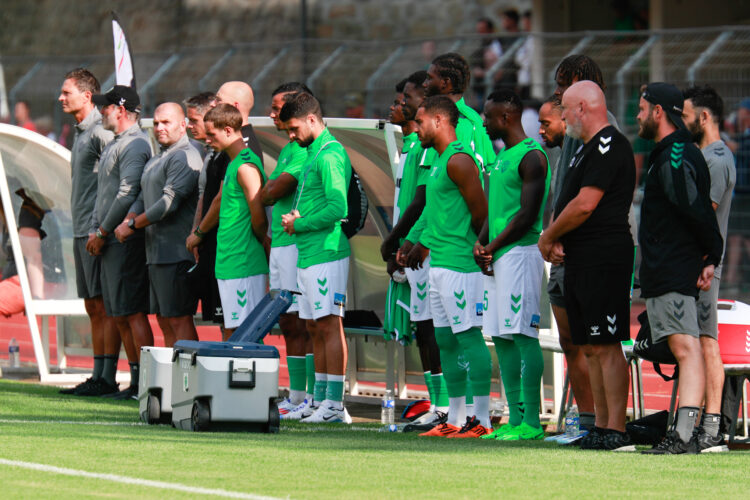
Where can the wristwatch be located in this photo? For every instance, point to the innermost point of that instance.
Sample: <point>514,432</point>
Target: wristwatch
<point>99,234</point>
<point>131,223</point>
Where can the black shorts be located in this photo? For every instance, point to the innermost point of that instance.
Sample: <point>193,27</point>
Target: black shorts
<point>598,304</point>
<point>88,270</point>
<point>171,294</point>
<point>204,283</point>
<point>124,276</point>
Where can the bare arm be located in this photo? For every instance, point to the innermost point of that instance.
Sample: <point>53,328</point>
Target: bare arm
<point>275,189</point>
<point>250,181</point>
<point>465,175</point>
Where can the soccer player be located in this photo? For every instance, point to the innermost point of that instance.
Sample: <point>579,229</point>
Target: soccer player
<point>551,125</point>
<point>241,242</point>
<point>411,180</point>
<point>323,250</point>
<point>77,90</point>
<point>165,207</point>
<point>519,183</point>
<point>702,113</point>
<point>123,265</point>
<point>279,192</point>
<point>591,233</point>
<point>454,212</point>
<point>681,245</point>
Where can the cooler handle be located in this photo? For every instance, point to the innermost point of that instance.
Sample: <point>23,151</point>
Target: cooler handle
<point>244,383</point>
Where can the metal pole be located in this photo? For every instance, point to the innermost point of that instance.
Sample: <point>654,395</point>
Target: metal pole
<point>4,109</point>
<point>215,68</point>
<point>148,89</point>
<point>706,55</point>
<point>384,66</point>
<point>624,70</point>
<point>489,77</point>
<point>266,69</point>
<point>324,65</point>
<point>303,31</point>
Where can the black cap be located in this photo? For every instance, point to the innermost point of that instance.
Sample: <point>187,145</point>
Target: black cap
<point>120,95</point>
<point>669,98</point>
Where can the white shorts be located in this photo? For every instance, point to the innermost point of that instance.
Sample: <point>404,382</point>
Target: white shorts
<point>282,275</point>
<point>512,295</point>
<point>240,296</point>
<point>456,299</point>
<point>419,282</point>
<point>323,288</point>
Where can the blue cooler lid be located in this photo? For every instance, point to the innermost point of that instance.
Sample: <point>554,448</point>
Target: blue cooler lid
<point>226,349</point>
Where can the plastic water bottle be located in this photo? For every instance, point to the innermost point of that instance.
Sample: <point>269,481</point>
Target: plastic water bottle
<point>14,356</point>
<point>497,409</point>
<point>572,422</point>
<point>387,412</point>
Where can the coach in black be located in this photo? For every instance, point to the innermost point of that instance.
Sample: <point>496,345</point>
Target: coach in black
<point>681,246</point>
<point>591,235</point>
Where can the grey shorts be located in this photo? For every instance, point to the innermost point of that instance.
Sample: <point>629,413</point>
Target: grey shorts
<point>170,290</point>
<point>708,317</point>
<point>125,277</point>
<point>670,314</point>
<point>555,288</point>
<point>88,270</point>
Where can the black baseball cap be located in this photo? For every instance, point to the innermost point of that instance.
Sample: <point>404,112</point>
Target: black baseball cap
<point>669,98</point>
<point>119,95</point>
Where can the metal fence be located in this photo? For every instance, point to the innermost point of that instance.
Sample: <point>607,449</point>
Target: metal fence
<point>356,78</point>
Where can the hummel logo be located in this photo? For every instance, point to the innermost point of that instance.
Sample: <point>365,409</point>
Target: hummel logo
<point>603,150</point>
<point>121,102</point>
<point>612,319</point>
<point>421,285</point>
<point>318,307</point>
<point>421,295</point>
<point>679,304</point>
<point>612,326</point>
<point>507,323</point>
<point>457,319</point>
<point>595,330</point>
<point>605,140</point>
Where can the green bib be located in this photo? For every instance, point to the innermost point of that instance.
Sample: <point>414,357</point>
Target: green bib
<point>505,194</point>
<point>238,253</point>
<point>448,232</point>
<point>291,160</point>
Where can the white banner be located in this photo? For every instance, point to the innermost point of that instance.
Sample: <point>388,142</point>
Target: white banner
<point>124,72</point>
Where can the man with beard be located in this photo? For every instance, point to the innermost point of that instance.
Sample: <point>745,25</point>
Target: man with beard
<point>507,252</point>
<point>702,113</point>
<point>681,245</point>
<point>551,125</point>
<point>323,262</point>
<point>279,192</point>
<point>591,234</point>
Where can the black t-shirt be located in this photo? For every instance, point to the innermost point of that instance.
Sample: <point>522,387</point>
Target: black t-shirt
<point>605,162</point>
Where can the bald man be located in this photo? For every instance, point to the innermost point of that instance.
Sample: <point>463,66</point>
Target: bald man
<point>591,235</point>
<point>165,207</point>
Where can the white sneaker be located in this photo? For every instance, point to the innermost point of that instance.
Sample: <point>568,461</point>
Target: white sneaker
<point>428,418</point>
<point>286,406</point>
<point>326,414</point>
<point>300,411</point>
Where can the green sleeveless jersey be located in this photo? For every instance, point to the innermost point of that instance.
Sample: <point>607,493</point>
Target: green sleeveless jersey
<point>447,220</point>
<point>291,160</point>
<point>238,252</point>
<point>505,194</point>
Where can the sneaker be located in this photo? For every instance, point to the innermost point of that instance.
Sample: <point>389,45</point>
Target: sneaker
<point>327,414</point>
<point>79,387</point>
<point>593,440</point>
<point>98,387</point>
<point>442,430</point>
<point>617,441</point>
<point>672,445</point>
<point>471,429</point>
<point>436,418</point>
<point>523,432</point>
<point>705,443</point>
<point>500,431</point>
<point>300,411</point>
<point>127,393</point>
<point>286,405</point>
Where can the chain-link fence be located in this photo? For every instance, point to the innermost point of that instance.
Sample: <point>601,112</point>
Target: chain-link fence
<point>357,79</point>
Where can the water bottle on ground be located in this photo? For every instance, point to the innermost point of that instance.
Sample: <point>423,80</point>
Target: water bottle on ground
<point>572,422</point>
<point>497,409</point>
<point>387,412</point>
<point>14,356</point>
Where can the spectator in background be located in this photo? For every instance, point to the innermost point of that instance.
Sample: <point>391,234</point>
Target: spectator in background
<point>22,114</point>
<point>523,60</point>
<point>484,57</point>
<point>507,76</point>
<point>738,245</point>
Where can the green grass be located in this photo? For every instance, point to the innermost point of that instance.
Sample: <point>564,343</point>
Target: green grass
<point>303,463</point>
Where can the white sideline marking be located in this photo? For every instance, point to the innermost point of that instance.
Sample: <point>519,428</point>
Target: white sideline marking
<point>70,422</point>
<point>132,480</point>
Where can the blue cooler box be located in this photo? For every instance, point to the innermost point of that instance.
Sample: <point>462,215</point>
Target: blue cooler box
<point>222,384</point>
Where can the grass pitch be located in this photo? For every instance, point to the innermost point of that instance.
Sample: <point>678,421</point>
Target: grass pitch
<point>96,436</point>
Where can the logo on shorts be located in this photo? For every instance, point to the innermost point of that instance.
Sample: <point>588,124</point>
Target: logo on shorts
<point>421,292</point>
<point>480,309</point>
<point>515,303</point>
<point>507,323</point>
<point>241,297</point>
<point>339,299</point>
<point>456,320</point>
<point>678,312</point>
<point>317,306</point>
<point>235,316</point>
<point>535,319</point>
<point>612,326</point>
<point>416,309</point>
<point>321,284</point>
<point>595,330</point>
<point>460,297</point>
<point>705,312</point>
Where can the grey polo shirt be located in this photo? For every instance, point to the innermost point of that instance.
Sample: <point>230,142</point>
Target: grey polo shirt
<point>169,197</point>
<point>88,144</point>
<point>720,161</point>
<point>120,169</point>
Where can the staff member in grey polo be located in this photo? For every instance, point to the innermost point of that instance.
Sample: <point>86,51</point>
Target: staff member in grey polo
<point>79,86</point>
<point>166,207</point>
<point>124,275</point>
